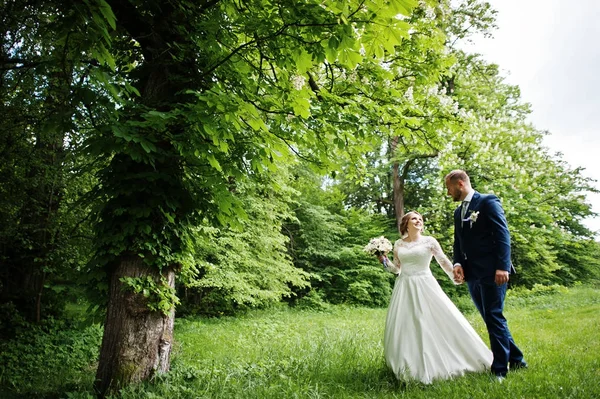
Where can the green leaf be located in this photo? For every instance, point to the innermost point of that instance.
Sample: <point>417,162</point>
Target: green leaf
<point>301,107</point>
<point>350,57</point>
<point>108,14</point>
<point>303,61</point>
<point>119,132</point>
<point>148,146</point>
<point>209,129</point>
<point>255,123</point>
<point>161,115</point>
<point>213,162</point>
<point>332,48</point>
<point>404,7</point>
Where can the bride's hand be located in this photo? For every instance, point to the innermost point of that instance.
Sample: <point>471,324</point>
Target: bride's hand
<point>459,274</point>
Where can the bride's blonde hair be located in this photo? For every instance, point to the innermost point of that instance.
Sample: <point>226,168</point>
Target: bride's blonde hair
<point>405,219</point>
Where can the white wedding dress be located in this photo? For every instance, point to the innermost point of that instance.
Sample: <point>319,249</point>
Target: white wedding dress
<point>426,336</point>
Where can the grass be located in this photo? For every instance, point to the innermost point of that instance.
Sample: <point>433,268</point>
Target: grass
<point>338,353</point>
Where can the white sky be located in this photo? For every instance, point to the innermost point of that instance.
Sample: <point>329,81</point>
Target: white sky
<point>551,50</point>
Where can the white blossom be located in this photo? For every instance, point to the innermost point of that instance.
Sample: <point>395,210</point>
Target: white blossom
<point>298,82</point>
<point>409,94</point>
<point>378,245</point>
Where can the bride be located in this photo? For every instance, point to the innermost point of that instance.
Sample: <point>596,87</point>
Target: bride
<point>426,336</point>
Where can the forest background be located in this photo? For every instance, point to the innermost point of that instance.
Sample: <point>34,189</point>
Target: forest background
<point>207,158</point>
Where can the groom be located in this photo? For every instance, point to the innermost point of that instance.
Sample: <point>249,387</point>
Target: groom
<point>482,259</point>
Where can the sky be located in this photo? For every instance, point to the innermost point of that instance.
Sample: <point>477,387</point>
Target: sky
<point>551,50</point>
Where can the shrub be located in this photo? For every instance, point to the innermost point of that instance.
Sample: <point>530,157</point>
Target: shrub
<point>50,357</point>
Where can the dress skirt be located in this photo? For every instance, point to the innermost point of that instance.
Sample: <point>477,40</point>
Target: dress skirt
<point>426,336</point>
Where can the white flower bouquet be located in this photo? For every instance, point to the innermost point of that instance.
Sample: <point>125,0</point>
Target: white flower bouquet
<point>378,246</point>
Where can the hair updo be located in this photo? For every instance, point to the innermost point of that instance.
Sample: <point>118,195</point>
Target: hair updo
<point>405,219</point>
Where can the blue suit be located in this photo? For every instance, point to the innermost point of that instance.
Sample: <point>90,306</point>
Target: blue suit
<point>482,246</point>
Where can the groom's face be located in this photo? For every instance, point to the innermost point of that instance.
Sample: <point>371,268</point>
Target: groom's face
<point>455,189</point>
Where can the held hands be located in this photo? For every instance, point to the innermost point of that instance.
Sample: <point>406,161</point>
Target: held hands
<point>459,274</point>
<point>501,277</point>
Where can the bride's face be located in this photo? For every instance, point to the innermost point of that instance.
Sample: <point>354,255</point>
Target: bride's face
<point>415,223</point>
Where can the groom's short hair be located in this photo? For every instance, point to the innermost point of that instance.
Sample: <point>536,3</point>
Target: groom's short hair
<point>456,175</point>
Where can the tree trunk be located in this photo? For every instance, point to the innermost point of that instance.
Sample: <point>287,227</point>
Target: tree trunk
<point>398,187</point>
<point>137,341</point>
<point>397,184</point>
<point>399,178</point>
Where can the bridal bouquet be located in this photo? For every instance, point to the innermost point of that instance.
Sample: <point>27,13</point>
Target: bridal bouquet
<point>378,246</point>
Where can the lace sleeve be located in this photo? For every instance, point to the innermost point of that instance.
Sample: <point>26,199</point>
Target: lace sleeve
<point>394,266</point>
<point>441,258</point>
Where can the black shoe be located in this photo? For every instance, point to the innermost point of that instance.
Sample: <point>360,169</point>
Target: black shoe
<point>517,365</point>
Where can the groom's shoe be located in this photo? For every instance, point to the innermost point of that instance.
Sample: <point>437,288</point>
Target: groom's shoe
<point>498,376</point>
<point>517,365</point>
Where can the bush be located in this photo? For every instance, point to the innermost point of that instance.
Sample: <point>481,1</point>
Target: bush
<point>314,300</point>
<point>537,290</point>
<point>52,357</point>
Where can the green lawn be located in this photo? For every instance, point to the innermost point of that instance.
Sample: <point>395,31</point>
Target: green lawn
<point>338,354</point>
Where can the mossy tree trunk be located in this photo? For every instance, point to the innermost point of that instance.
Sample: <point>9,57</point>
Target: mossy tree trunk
<point>137,341</point>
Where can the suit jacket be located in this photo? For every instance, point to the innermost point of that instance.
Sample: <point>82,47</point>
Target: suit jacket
<point>482,246</point>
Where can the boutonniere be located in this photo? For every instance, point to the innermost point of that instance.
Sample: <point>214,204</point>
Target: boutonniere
<point>473,217</point>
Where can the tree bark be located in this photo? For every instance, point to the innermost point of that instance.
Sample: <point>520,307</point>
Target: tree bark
<point>137,341</point>
<point>398,185</point>
<point>398,188</point>
<point>399,179</point>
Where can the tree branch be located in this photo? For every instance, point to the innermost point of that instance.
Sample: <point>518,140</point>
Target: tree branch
<point>7,64</point>
<point>313,85</point>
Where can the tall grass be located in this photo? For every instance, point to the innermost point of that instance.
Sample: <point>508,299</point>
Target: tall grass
<point>338,353</point>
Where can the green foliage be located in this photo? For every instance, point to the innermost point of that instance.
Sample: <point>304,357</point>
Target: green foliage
<point>208,100</point>
<point>537,290</point>
<point>44,236</point>
<point>580,261</point>
<point>479,124</point>
<point>327,240</point>
<point>314,300</point>
<point>237,270</point>
<point>503,154</point>
<point>160,295</point>
<point>354,278</point>
<point>485,132</point>
<point>56,356</point>
<point>399,109</point>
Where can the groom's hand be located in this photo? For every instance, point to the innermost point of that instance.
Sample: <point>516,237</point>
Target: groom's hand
<point>459,274</point>
<point>501,277</point>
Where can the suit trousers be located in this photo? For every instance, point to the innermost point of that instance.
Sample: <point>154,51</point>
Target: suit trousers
<point>489,300</point>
